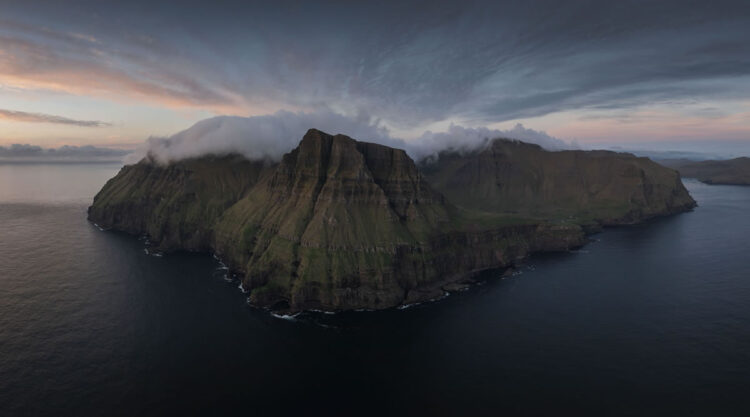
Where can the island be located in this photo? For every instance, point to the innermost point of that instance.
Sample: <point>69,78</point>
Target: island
<point>339,224</point>
<point>725,172</point>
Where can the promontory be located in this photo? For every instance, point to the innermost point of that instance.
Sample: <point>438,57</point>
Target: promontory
<point>339,224</point>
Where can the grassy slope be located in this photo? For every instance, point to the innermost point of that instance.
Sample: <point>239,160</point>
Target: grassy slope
<point>327,225</point>
<point>176,205</point>
<point>568,186</point>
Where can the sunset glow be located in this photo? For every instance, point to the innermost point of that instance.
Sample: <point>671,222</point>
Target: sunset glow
<point>105,75</point>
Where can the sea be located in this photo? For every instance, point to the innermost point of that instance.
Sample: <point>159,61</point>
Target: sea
<point>645,320</point>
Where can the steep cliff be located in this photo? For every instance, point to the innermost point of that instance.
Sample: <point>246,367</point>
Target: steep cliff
<point>341,224</point>
<point>176,205</point>
<point>581,186</point>
<point>323,230</point>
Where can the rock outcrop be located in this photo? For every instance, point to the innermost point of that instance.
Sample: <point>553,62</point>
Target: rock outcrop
<point>339,224</point>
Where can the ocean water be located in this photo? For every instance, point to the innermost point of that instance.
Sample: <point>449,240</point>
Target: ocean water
<point>652,319</point>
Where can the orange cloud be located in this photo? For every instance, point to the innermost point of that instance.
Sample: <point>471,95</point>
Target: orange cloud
<point>31,66</point>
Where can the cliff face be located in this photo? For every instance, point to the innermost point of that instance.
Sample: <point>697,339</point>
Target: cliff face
<point>324,229</point>
<point>582,186</point>
<point>730,172</point>
<point>177,205</point>
<point>342,224</point>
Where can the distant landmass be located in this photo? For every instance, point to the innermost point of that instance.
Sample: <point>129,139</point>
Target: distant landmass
<point>339,224</point>
<point>729,171</point>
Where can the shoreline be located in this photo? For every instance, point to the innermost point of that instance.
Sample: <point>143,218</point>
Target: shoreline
<point>431,293</point>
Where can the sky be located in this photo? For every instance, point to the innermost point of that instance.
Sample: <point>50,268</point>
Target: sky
<point>631,74</point>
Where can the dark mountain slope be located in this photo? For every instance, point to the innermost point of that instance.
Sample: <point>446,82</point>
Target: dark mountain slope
<point>581,186</point>
<point>176,205</point>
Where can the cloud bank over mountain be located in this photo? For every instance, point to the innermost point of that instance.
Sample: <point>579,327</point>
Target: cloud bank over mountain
<point>270,136</point>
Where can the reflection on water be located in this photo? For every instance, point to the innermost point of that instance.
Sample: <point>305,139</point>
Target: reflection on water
<point>53,183</point>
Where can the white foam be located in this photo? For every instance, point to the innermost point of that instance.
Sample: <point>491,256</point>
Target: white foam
<point>288,317</point>
<point>156,254</point>
<point>445,295</point>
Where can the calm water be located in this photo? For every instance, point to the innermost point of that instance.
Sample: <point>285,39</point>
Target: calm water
<point>646,320</point>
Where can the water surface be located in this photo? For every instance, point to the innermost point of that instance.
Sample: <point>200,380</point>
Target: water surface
<point>646,320</point>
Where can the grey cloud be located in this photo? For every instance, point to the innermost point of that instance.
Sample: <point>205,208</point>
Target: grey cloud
<point>48,118</point>
<point>464,139</point>
<point>258,137</point>
<point>32,153</point>
<point>270,136</point>
<point>408,63</point>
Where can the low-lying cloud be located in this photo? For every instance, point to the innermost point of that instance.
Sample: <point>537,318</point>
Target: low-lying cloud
<point>31,153</point>
<point>270,136</point>
<point>465,139</point>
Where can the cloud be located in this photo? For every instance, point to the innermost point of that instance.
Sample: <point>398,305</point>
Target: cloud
<point>48,118</point>
<point>465,139</point>
<point>271,136</point>
<point>408,64</point>
<point>63,65</point>
<point>32,153</point>
<point>258,137</point>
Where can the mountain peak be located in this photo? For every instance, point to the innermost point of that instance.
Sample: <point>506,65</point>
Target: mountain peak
<point>343,224</point>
